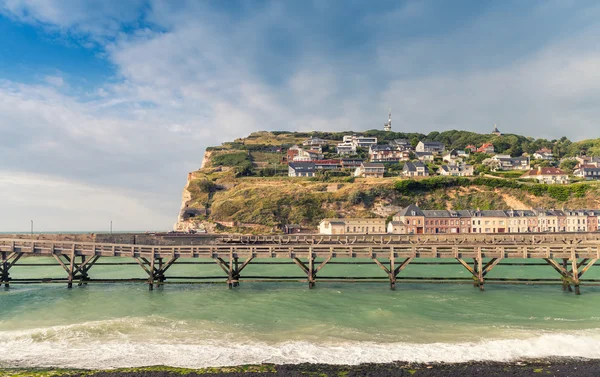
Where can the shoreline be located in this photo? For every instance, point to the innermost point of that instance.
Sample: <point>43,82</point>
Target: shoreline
<point>518,368</point>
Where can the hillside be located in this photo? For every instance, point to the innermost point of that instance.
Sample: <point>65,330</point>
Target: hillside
<point>242,185</point>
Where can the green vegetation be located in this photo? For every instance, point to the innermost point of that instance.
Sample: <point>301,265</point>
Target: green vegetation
<point>561,193</point>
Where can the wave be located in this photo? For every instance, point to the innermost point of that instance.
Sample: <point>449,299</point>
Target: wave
<point>113,345</point>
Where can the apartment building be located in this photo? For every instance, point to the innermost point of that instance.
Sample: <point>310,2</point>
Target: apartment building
<point>352,226</point>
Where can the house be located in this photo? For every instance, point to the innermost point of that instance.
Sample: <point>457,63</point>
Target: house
<point>424,156</point>
<point>293,152</point>
<point>360,141</point>
<point>387,153</point>
<point>489,221</point>
<point>345,149</point>
<point>415,169</point>
<point>352,226</point>
<point>588,172</point>
<point>471,148</point>
<point>521,221</point>
<point>351,163</point>
<point>396,227</point>
<point>329,165</point>
<point>461,170</point>
<point>547,175</point>
<point>512,163</point>
<point>301,169</point>
<point>585,160</point>
<point>413,219</point>
<point>403,144</point>
<point>576,220</point>
<point>453,156</point>
<point>310,155</point>
<point>430,146</point>
<point>370,170</point>
<point>544,154</point>
<point>314,142</point>
<point>443,221</point>
<point>486,148</point>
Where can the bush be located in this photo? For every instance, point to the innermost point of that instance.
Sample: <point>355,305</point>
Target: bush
<point>207,186</point>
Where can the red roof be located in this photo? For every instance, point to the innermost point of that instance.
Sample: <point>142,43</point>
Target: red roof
<point>544,171</point>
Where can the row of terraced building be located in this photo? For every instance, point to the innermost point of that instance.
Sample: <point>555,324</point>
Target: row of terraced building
<point>413,220</point>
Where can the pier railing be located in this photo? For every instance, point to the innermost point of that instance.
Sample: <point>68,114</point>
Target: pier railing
<point>570,255</point>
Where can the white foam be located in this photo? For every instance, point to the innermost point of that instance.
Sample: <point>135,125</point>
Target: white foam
<point>70,347</point>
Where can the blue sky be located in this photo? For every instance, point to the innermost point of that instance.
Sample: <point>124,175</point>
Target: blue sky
<point>106,105</point>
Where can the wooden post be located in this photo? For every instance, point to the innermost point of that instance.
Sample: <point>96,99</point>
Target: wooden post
<point>151,274</point>
<point>566,284</point>
<point>475,273</point>
<point>392,273</point>
<point>230,272</point>
<point>574,272</point>
<point>159,273</point>
<point>4,278</point>
<point>480,269</point>
<point>311,271</point>
<point>82,271</point>
<point>236,274</point>
<point>71,267</point>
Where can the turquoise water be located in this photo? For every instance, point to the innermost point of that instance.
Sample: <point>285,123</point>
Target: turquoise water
<point>210,325</point>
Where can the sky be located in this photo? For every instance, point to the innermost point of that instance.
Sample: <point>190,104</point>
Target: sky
<point>105,105</point>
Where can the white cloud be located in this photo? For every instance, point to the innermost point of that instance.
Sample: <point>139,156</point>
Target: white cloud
<point>200,77</point>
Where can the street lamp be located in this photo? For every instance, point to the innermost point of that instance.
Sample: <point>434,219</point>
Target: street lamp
<point>32,227</point>
<point>111,227</point>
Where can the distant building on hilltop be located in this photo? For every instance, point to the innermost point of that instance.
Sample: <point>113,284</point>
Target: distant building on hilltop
<point>387,126</point>
<point>496,131</point>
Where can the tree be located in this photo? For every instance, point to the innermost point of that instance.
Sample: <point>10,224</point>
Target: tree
<point>568,165</point>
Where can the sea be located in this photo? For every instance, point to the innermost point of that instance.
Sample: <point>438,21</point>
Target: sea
<point>101,326</point>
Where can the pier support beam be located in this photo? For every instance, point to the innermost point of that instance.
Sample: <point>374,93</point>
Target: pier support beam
<point>8,260</point>
<point>233,269</point>
<point>393,271</point>
<point>572,276</point>
<point>310,270</point>
<point>155,273</point>
<point>73,268</point>
<point>478,270</point>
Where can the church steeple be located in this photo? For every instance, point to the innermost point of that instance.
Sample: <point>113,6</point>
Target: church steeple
<point>496,131</point>
<point>387,126</point>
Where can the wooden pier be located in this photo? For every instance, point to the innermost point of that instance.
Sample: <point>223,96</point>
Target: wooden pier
<point>570,255</point>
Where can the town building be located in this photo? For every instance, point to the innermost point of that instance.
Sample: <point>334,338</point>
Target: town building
<point>351,163</point>
<point>486,148</point>
<point>387,126</point>
<point>471,148</point>
<point>301,169</point>
<point>446,222</point>
<point>310,155</point>
<point>424,156</point>
<point>415,169</point>
<point>370,170</point>
<point>314,142</point>
<point>454,156</point>
<point>430,146</point>
<point>489,221</point>
<point>396,227</point>
<point>329,165</point>
<point>544,154</point>
<point>352,226</point>
<point>588,172</point>
<point>576,220</point>
<point>512,163</point>
<point>413,219</point>
<point>585,160</point>
<point>496,131</point>
<point>360,141</point>
<point>456,170</point>
<point>345,149</point>
<point>547,175</point>
<point>521,221</point>
<point>403,144</point>
<point>387,153</point>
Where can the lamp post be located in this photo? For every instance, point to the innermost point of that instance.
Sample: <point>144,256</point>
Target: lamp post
<point>111,227</point>
<point>32,227</point>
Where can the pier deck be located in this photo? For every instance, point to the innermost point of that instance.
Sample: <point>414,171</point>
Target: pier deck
<point>570,255</point>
